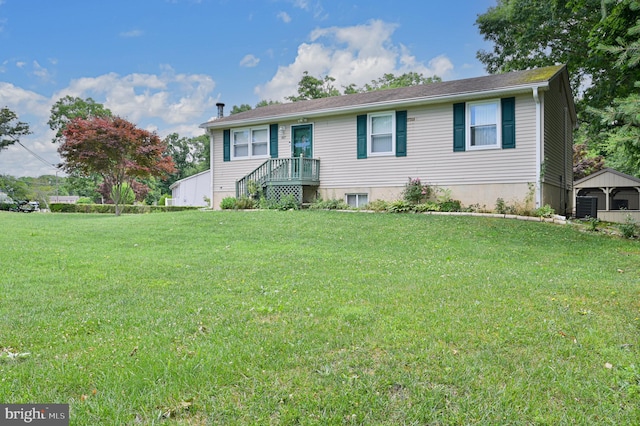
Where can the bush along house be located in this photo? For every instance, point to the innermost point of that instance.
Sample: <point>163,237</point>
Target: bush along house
<point>506,136</point>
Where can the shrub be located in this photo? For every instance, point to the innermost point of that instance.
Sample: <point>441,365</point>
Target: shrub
<point>415,192</point>
<point>244,203</point>
<point>127,196</point>
<point>450,206</point>
<point>629,227</point>
<point>544,211</point>
<point>501,206</point>
<point>592,223</point>
<point>429,206</point>
<point>111,208</point>
<point>377,206</point>
<point>287,202</point>
<point>228,203</point>
<point>163,197</point>
<point>475,208</point>
<point>400,206</point>
<point>254,189</point>
<point>333,204</point>
<point>84,200</point>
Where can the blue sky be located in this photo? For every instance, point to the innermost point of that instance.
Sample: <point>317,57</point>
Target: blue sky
<point>163,64</point>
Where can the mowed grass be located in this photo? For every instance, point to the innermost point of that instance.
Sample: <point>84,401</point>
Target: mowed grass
<point>313,317</point>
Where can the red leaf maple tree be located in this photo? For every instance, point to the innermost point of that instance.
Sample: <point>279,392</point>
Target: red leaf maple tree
<point>115,149</point>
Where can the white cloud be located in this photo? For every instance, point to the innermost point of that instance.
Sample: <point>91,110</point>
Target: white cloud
<point>21,100</point>
<point>249,61</point>
<point>169,97</point>
<point>356,54</point>
<point>166,102</point>
<point>301,4</point>
<point>314,7</point>
<point>284,17</point>
<point>41,72</point>
<point>132,33</point>
<point>21,64</point>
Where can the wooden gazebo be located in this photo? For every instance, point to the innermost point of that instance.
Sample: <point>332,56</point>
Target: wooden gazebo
<point>618,194</point>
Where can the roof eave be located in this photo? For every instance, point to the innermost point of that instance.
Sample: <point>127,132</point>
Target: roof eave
<point>215,124</point>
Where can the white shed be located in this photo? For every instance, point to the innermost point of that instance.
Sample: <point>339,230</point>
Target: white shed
<point>192,190</point>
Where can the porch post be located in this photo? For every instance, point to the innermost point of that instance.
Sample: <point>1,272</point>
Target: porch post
<point>607,194</point>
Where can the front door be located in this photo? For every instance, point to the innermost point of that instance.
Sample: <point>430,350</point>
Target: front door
<point>302,137</point>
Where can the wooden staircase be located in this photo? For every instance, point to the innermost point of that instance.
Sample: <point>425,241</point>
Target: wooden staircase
<point>278,177</point>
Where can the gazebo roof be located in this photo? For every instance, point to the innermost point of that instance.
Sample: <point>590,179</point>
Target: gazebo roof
<point>607,178</point>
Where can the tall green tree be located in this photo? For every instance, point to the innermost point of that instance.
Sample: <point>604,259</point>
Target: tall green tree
<point>310,87</point>
<point>242,108</point>
<point>10,128</point>
<point>621,120</point>
<point>533,33</point>
<point>266,102</point>
<point>190,155</point>
<point>246,107</point>
<point>70,107</point>
<point>391,81</point>
<point>15,188</point>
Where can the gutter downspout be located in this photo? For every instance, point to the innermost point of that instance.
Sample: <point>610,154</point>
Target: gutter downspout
<point>211,167</point>
<point>536,97</point>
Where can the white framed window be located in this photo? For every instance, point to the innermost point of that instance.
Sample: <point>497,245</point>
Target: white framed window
<point>250,143</point>
<point>483,125</point>
<point>357,200</point>
<point>381,135</point>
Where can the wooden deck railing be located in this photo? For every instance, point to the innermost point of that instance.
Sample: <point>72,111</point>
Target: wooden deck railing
<point>281,171</point>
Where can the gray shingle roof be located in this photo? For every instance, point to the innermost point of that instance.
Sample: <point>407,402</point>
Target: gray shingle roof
<point>527,78</point>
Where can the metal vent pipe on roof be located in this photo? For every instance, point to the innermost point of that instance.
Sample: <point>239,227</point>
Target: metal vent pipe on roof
<point>220,106</point>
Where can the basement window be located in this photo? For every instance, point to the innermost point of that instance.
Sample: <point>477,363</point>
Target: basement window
<point>357,200</point>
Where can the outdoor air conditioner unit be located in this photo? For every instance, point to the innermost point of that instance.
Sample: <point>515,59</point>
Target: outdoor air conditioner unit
<point>586,207</point>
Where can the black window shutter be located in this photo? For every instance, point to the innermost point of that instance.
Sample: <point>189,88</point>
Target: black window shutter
<point>226,145</point>
<point>273,140</point>
<point>508,108</point>
<point>458,127</point>
<point>362,136</point>
<point>401,133</point>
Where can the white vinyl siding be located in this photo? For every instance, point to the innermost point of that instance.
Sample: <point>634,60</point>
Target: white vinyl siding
<point>429,139</point>
<point>429,155</point>
<point>557,127</point>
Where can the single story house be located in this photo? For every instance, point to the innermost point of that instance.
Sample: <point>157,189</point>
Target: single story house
<point>615,195</point>
<point>503,136</point>
<point>193,190</point>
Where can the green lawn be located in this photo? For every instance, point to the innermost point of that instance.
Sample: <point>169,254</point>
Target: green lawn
<point>314,317</point>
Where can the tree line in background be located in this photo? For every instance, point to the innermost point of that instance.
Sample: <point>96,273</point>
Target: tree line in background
<point>599,40</point>
<point>310,87</point>
<point>106,158</point>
